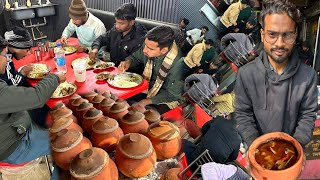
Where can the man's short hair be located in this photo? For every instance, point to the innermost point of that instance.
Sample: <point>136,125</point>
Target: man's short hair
<point>185,20</point>
<point>280,7</point>
<point>209,42</point>
<point>305,44</point>
<point>126,12</point>
<point>205,27</point>
<point>163,35</point>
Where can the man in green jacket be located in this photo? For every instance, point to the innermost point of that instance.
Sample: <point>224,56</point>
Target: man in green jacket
<point>163,69</point>
<point>21,139</point>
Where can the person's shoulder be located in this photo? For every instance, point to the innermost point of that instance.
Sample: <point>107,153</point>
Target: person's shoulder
<point>140,29</point>
<point>95,20</point>
<point>307,70</point>
<point>250,67</point>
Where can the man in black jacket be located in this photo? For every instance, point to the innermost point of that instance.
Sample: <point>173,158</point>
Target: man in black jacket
<point>124,38</point>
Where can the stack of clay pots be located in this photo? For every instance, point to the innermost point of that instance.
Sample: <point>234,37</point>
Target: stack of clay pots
<point>135,136</point>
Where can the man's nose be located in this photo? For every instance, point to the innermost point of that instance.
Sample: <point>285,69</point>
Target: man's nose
<point>280,41</point>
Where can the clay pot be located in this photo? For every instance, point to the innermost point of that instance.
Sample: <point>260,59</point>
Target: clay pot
<point>114,97</point>
<point>137,107</point>
<point>117,110</point>
<point>106,134</point>
<point>64,123</point>
<point>73,97</point>
<point>152,116</point>
<point>134,122</point>
<point>105,105</point>
<point>66,145</point>
<point>90,95</point>
<point>61,112</point>
<point>106,94</point>
<point>97,100</point>
<point>89,118</point>
<point>93,164</point>
<point>135,156</point>
<point>165,138</point>
<point>259,172</point>
<point>172,174</point>
<point>77,103</point>
<point>82,109</point>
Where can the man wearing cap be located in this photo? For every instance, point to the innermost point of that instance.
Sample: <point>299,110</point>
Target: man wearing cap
<point>86,25</point>
<point>124,38</point>
<point>19,44</point>
<point>23,140</point>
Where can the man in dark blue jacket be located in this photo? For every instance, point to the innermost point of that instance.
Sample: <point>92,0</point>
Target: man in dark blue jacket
<point>276,92</point>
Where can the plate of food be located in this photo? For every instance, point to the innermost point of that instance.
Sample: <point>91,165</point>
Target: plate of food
<point>104,65</point>
<point>90,63</point>
<point>64,90</point>
<point>125,80</point>
<point>39,71</point>
<point>104,76</point>
<point>69,49</point>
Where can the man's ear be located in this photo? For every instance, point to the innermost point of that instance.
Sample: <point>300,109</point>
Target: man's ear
<point>132,22</point>
<point>164,50</point>
<point>261,34</point>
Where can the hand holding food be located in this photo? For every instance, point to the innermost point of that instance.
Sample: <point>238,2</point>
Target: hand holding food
<point>82,49</point>
<point>93,54</point>
<point>63,41</point>
<point>26,69</point>
<point>124,65</point>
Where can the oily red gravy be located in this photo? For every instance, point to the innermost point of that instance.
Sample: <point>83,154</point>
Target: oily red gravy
<point>276,155</point>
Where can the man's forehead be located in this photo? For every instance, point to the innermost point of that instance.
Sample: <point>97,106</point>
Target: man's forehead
<point>279,23</point>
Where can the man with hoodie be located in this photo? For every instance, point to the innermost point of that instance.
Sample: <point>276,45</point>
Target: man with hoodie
<point>276,92</point>
<point>124,38</point>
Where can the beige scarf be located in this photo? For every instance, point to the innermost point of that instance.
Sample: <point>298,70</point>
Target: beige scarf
<point>164,69</point>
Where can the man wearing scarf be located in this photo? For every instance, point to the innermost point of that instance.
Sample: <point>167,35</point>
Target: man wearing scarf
<point>19,44</point>
<point>163,69</point>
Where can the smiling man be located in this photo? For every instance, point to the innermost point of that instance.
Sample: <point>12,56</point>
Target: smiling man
<point>160,57</point>
<point>277,92</point>
<point>124,38</point>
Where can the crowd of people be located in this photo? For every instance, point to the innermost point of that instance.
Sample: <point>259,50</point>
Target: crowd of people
<point>275,92</point>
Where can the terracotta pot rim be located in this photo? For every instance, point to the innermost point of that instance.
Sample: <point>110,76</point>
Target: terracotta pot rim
<point>84,100</point>
<point>99,101</point>
<point>142,156</point>
<point>133,122</point>
<point>97,116</point>
<point>64,126</point>
<point>95,172</point>
<point>157,119</point>
<point>56,108</point>
<point>90,94</point>
<point>119,110</point>
<point>272,136</point>
<point>156,124</point>
<point>89,107</point>
<point>105,131</point>
<point>71,146</point>
<point>107,105</point>
<point>64,116</point>
<point>75,96</point>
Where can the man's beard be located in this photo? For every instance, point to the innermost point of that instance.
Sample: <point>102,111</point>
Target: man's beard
<point>277,59</point>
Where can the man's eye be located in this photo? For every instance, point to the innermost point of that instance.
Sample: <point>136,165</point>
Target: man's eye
<point>272,35</point>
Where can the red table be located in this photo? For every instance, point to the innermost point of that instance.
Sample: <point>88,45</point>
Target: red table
<point>90,84</point>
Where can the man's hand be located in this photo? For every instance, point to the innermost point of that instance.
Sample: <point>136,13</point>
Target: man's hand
<point>63,40</point>
<point>62,77</point>
<point>26,69</point>
<point>82,49</point>
<point>145,102</point>
<point>93,54</point>
<point>124,65</point>
<point>213,66</point>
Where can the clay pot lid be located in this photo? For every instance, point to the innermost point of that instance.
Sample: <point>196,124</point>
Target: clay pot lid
<point>118,107</point>
<point>173,174</point>
<point>84,106</point>
<point>65,140</point>
<point>106,94</point>
<point>75,96</point>
<point>60,124</point>
<point>77,102</point>
<point>105,125</point>
<point>92,113</point>
<point>135,146</point>
<point>62,112</point>
<point>107,102</point>
<point>152,115</point>
<point>98,98</point>
<point>58,106</point>
<point>113,96</point>
<point>163,130</point>
<point>133,117</point>
<point>137,107</point>
<point>89,163</point>
<point>90,94</point>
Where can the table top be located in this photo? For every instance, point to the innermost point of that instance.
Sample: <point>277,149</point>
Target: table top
<point>91,82</point>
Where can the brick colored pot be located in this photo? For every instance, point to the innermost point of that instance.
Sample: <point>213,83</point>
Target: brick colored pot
<point>82,109</point>
<point>133,122</point>
<point>89,118</point>
<point>118,110</point>
<point>97,100</point>
<point>152,116</point>
<point>74,105</point>
<point>90,95</point>
<point>64,123</point>
<point>105,105</point>
<point>61,112</point>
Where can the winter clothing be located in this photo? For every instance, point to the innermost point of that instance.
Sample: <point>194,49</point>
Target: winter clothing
<point>266,102</point>
<point>11,75</point>
<point>172,87</point>
<point>87,32</point>
<point>196,36</point>
<point>120,46</point>
<point>216,171</point>
<point>230,16</point>
<point>78,9</point>
<point>194,56</point>
<point>19,38</point>
<point>14,118</point>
